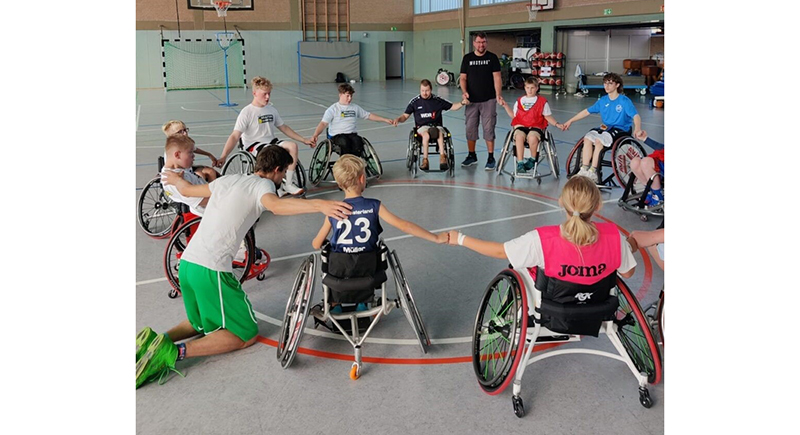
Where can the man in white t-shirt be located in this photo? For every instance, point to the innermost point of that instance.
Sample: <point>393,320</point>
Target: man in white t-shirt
<point>215,304</point>
<point>256,125</point>
<point>342,117</point>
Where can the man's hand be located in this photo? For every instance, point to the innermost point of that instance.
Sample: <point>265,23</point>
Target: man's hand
<point>500,100</point>
<point>171,177</point>
<point>465,102</point>
<point>464,96</point>
<point>336,209</point>
<point>633,243</point>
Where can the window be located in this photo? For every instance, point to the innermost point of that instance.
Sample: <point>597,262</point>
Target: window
<point>425,6</point>
<point>489,2</point>
<point>447,53</point>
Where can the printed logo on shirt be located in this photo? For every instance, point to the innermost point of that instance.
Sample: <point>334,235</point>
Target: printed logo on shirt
<point>431,115</point>
<point>619,108</point>
<point>527,106</point>
<point>581,270</point>
<point>583,297</point>
<point>264,119</point>
<point>347,114</point>
<point>478,62</point>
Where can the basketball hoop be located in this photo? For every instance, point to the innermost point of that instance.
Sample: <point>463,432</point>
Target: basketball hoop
<point>222,7</point>
<point>532,10</point>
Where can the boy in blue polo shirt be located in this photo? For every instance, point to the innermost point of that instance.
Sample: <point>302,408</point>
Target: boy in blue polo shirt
<point>617,114</point>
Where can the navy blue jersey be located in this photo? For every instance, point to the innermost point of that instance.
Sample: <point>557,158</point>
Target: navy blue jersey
<point>428,112</point>
<point>360,231</point>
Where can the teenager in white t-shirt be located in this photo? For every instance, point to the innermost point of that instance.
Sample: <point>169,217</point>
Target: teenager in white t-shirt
<point>341,118</point>
<point>180,151</point>
<point>256,126</point>
<point>216,307</point>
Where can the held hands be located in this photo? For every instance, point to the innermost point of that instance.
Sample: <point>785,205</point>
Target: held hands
<point>312,142</point>
<point>213,160</point>
<point>641,135</point>
<point>465,96</point>
<point>561,126</point>
<point>453,237</point>
<point>220,161</point>
<point>442,238</point>
<point>501,101</point>
<point>566,125</point>
<point>336,209</point>
<point>465,102</point>
<point>632,241</point>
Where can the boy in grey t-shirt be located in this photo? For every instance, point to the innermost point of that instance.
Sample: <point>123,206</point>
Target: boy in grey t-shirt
<point>342,117</point>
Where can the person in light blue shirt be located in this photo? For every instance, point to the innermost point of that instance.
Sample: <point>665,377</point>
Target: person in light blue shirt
<point>617,114</point>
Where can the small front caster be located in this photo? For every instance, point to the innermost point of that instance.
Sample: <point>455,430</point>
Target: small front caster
<point>173,294</point>
<point>355,371</point>
<point>644,397</point>
<point>643,217</point>
<point>519,408</point>
<point>261,276</point>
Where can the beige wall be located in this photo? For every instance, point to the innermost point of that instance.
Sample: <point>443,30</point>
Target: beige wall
<point>266,15</point>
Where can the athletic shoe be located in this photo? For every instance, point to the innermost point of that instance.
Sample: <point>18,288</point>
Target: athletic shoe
<point>361,307</point>
<point>143,339</point>
<point>241,254</point>
<point>654,198</point>
<point>529,163</point>
<point>521,169</point>
<point>157,361</point>
<point>490,164</point>
<point>336,310</point>
<point>424,165</point>
<point>261,256</point>
<point>291,189</point>
<point>281,192</point>
<point>471,160</point>
<point>443,166</point>
<point>592,175</point>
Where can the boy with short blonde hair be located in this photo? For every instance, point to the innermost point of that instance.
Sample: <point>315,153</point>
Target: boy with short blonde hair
<point>180,151</point>
<point>175,126</point>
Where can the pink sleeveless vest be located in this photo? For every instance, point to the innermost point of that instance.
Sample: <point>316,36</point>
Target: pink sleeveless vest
<point>563,262</point>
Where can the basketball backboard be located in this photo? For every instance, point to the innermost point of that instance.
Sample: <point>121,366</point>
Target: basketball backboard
<point>236,5</point>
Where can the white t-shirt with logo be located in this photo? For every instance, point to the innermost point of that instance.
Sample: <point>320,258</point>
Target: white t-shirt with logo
<point>258,124</point>
<point>528,102</point>
<point>341,119</point>
<point>233,208</point>
<point>172,192</point>
<point>526,251</point>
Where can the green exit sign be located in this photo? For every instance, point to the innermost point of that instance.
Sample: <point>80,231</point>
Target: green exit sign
<point>606,11</point>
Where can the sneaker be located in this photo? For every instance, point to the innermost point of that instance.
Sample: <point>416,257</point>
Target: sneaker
<point>424,165</point>
<point>521,169</point>
<point>654,198</point>
<point>443,166</point>
<point>490,164</point>
<point>281,193</point>
<point>471,160</point>
<point>157,361</point>
<point>336,310</point>
<point>592,175</point>
<point>261,256</point>
<point>361,307</point>
<point>291,189</point>
<point>241,254</point>
<point>143,340</point>
<point>529,163</point>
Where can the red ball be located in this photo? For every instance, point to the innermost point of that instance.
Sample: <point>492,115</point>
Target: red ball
<point>559,64</point>
<point>560,55</point>
<point>558,82</point>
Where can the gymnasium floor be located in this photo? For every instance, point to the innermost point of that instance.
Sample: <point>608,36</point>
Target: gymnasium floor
<point>401,390</point>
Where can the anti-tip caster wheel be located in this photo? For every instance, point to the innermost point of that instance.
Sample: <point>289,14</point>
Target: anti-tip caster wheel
<point>519,408</point>
<point>538,181</point>
<point>643,218</point>
<point>173,294</point>
<point>644,398</point>
<point>355,372</point>
<point>261,276</point>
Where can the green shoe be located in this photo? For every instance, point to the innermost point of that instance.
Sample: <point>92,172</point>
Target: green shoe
<point>157,361</point>
<point>143,339</point>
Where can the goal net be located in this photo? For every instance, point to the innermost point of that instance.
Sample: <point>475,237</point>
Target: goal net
<point>201,64</point>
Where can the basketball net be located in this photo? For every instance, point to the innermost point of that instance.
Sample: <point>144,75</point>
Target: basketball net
<point>222,8</point>
<point>532,10</point>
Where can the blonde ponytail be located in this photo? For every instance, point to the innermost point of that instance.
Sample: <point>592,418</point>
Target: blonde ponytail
<point>580,198</point>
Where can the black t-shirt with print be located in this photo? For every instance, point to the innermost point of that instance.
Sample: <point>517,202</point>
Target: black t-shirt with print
<point>479,69</point>
<point>428,112</point>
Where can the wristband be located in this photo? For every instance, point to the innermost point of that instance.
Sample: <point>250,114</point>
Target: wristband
<point>461,238</point>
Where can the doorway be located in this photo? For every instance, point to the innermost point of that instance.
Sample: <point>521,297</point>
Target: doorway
<point>395,61</point>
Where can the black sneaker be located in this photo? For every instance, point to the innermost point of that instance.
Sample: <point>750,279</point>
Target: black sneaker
<point>471,160</point>
<point>490,164</point>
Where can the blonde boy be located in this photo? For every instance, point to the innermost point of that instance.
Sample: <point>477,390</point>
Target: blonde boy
<point>175,126</point>
<point>180,151</point>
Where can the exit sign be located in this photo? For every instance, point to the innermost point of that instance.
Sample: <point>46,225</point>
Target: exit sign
<point>606,11</point>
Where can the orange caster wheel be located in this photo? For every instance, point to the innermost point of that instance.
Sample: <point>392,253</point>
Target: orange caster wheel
<point>355,372</point>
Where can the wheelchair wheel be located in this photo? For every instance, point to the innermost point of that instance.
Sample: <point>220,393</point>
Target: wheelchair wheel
<point>407,303</point>
<point>155,212</point>
<point>451,156</point>
<point>517,81</point>
<point>373,162</point>
<point>574,158</point>
<point>636,336</point>
<point>410,150</point>
<point>552,155</point>
<point>240,162</point>
<point>319,162</point>
<point>507,143</point>
<point>297,307</point>
<point>499,332</point>
<point>622,152</point>
<point>180,240</point>
<point>300,175</point>
<point>660,317</point>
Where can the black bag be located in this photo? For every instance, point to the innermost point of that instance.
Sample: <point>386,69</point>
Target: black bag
<point>340,78</point>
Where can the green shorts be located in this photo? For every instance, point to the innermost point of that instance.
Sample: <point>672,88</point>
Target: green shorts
<point>215,300</point>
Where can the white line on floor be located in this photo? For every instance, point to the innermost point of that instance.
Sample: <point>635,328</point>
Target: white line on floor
<point>311,102</point>
<point>138,111</point>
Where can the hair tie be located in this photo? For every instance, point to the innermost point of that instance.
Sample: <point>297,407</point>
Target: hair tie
<point>576,213</point>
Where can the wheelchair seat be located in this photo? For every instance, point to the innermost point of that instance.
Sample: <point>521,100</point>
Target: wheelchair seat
<point>570,308</point>
<point>353,278</point>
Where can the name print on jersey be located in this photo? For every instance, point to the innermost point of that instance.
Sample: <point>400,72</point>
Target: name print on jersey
<point>581,270</point>
<point>263,119</point>
<point>348,114</point>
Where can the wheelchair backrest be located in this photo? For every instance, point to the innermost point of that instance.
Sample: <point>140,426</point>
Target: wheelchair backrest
<point>363,264</point>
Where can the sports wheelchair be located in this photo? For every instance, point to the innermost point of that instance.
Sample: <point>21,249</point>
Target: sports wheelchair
<point>414,151</point>
<point>253,263</point>
<point>347,278</point>
<point>321,164</point>
<point>624,149</point>
<point>155,211</point>
<point>632,200</point>
<point>242,161</point>
<point>518,299</point>
<point>547,148</point>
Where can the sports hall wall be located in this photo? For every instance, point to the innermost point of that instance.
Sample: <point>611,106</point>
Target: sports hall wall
<point>272,30</point>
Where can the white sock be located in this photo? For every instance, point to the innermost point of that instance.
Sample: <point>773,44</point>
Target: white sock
<point>289,176</point>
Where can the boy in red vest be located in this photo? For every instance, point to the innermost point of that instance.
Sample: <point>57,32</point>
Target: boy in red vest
<point>529,117</point>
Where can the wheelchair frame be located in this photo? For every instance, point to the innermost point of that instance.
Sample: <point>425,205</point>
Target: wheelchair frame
<point>414,153</point>
<point>243,162</point>
<point>319,169</point>
<point>547,148</point>
<point>629,332</point>
<point>623,150</point>
<point>299,306</point>
<point>155,212</point>
<point>634,201</point>
<point>243,270</point>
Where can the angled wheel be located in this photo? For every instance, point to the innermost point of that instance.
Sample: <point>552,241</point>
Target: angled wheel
<point>507,143</point>
<point>297,307</point>
<point>622,152</point>
<point>660,317</point>
<point>318,167</point>
<point>300,175</point>
<point>240,162</point>
<point>410,150</point>
<point>499,332</point>
<point>451,156</point>
<point>574,158</point>
<point>552,155</point>
<point>407,303</point>
<point>373,161</point>
<point>154,210</point>
<point>636,336</point>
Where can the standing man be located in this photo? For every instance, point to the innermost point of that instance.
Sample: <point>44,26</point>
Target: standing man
<point>480,76</point>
